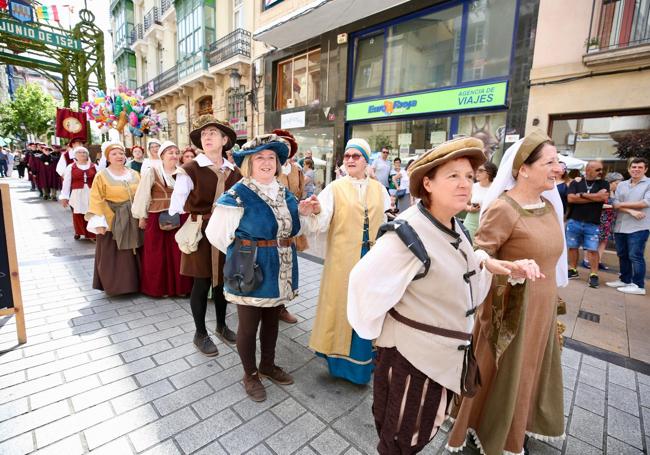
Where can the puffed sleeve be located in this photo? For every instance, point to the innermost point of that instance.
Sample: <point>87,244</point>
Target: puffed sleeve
<point>495,227</point>
<point>182,188</point>
<point>368,303</point>
<point>67,183</point>
<point>224,221</point>
<point>97,205</point>
<point>142,197</point>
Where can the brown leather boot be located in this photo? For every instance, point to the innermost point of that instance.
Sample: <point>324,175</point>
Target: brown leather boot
<point>205,345</point>
<point>277,375</point>
<point>254,387</point>
<point>286,316</point>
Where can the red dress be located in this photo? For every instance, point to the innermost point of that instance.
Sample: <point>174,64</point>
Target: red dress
<point>161,259</point>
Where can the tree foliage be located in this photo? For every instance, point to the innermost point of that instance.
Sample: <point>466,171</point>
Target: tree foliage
<point>31,111</point>
<point>631,144</point>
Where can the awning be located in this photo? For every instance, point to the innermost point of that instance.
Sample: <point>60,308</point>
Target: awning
<point>318,17</point>
<point>572,163</point>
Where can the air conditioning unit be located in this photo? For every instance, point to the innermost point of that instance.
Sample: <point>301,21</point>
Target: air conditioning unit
<point>290,103</point>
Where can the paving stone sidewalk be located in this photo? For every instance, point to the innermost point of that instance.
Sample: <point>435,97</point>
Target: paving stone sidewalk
<point>121,376</point>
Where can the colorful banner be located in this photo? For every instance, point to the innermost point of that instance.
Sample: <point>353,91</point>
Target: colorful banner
<point>466,98</point>
<point>20,10</point>
<point>47,13</point>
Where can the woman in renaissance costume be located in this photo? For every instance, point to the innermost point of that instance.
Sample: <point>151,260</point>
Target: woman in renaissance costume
<point>161,259</point>
<point>352,209</point>
<point>117,256</point>
<point>517,345</point>
<point>422,315</point>
<point>77,180</point>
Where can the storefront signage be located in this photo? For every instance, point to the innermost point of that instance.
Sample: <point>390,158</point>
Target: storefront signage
<point>466,98</point>
<point>292,120</point>
<point>37,34</point>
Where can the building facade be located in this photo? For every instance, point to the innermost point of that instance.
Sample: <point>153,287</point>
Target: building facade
<point>187,58</point>
<point>408,75</point>
<point>590,80</point>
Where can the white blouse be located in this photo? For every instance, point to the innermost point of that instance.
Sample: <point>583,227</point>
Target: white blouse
<point>67,179</point>
<point>142,197</point>
<point>478,193</point>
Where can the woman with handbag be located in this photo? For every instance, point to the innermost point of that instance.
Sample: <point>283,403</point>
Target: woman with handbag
<point>422,314</point>
<point>255,223</point>
<point>199,183</point>
<point>517,343</point>
<point>161,259</point>
<point>117,255</point>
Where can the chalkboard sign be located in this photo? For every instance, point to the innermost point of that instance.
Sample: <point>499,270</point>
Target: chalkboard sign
<point>6,296</point>
<point>10,296</point>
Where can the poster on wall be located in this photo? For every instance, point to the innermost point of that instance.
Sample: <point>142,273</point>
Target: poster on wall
<point>489,128</point>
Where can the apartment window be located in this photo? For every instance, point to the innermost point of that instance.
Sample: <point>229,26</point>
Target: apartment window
<point>123,23</point>
<point>205,105</point>
<point>126,70</point>
<point>271,3</point>
<point>623,23</point>
<point>369,66</point>
<point>196,30</point>
<point>299,80</point>
<point>238,14</point>
<point>489,39</point>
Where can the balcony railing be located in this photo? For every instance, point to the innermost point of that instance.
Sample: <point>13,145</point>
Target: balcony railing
<point>152,17</point>
<point>136,33</point>
<point>235,43</point>
<point>165,5</point>
<point>161,82</point>
<point>618,24</point>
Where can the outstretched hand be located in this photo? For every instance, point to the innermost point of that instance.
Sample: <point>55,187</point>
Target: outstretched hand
<point>523,268</point>
<point>309,206</point>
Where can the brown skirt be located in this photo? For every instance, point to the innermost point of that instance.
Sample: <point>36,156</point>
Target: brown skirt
<point>116,271</point>
<point>408,406</point>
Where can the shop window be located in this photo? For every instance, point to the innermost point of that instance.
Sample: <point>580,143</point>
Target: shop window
<point>299,80</point>
<point>489,128</point>
<point>589,138</point>
<point>369,65</point>
<point>422,53</point>
<point>488,42</point>
<point>407,139</point>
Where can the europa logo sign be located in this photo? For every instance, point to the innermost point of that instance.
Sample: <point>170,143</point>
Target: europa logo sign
<point>392,107</point>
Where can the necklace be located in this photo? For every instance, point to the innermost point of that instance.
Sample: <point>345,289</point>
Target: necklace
<point>589,187</point>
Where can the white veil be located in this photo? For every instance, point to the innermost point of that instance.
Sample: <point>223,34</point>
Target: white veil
<point>504,181</point>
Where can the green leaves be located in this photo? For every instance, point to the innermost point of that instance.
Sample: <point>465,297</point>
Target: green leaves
<point>31,111</point>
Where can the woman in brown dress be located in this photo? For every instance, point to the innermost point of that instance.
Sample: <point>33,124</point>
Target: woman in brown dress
<point>517,347</point>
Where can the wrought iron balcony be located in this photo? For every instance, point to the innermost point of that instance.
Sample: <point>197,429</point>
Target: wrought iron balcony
<point>136,34</point>
<point>618,25</point>
<point>161,82</point>
<point>165,5</point>
<point>152,17</point>
<point>236,43</point>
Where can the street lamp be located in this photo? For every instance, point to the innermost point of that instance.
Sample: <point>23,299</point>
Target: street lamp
<point>237,92</point>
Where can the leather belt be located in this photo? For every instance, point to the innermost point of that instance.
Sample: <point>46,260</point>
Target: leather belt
<point>429,328</point>
<point>285,243</point>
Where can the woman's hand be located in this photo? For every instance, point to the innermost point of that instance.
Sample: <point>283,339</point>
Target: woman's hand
<point>639,215</point>
<point>142,223</point>
<point>101,230</point>
<point>64,203</point>
<point>523,268</point>
<point>309,206</point>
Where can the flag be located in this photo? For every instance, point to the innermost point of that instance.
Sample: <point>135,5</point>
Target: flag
<point>47,12</point>
<point>70,124</point>
<point>3,4</point>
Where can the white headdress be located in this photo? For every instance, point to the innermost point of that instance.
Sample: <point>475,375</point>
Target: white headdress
<point>504,181</point>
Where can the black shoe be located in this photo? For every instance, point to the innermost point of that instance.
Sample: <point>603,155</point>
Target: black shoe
<point>205,345</point>
<point>602,266</point>
<point>573,273</point>
<point>593,280</point>
<point>77,236</point>
<point>226,335</point>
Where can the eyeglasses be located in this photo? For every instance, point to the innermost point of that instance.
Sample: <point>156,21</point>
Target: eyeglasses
<point>384,153</point>
<point>354,156</point>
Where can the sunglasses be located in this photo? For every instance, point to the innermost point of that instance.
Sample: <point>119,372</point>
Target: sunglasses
<point>354,156</point>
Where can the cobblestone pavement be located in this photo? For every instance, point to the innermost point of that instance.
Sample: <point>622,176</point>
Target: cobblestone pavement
<point>121,376</point>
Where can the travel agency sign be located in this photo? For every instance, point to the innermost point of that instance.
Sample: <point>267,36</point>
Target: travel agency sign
<point>32,33</point>
<point>457,99</point>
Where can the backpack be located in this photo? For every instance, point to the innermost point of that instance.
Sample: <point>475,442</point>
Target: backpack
<point>412,240</point>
